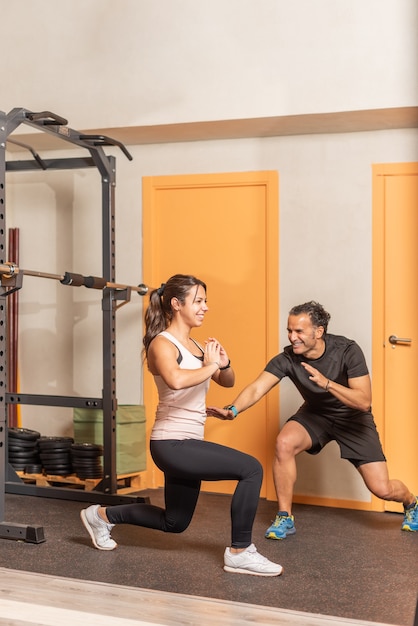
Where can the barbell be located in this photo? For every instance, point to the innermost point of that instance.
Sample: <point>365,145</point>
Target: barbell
<point>11,278</point>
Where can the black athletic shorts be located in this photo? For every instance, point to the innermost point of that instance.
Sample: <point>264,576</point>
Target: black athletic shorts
<point>356,436</point>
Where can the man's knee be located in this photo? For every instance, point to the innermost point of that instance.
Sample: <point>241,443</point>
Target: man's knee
<point>376,478</point>
<point>292,440</point>
<point>382,491</point>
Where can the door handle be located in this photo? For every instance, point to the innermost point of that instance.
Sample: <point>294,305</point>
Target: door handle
<point>393,339</point>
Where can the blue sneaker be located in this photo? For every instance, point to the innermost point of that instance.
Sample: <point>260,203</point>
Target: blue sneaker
<point>410,521</point>
<point>283,525</point>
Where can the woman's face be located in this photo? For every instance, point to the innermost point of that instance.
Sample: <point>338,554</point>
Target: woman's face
<point>194,308</point>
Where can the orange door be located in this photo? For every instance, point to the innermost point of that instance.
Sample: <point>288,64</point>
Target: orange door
<point>395,314</point>
<point>223,229</point>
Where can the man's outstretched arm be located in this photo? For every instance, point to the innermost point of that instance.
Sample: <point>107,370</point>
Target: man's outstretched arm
<point>251,394</point>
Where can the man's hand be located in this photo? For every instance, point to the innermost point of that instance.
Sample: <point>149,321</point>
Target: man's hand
<point>222,414</point>
<point>315,376</point>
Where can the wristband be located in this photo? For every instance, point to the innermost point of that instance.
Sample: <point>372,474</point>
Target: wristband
<point>231,407</point>
<point>225,366</point>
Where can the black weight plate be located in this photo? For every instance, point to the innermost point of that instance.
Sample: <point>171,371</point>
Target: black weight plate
<point>24,452</point>
<point>62,472</point>
<point>24,461</point>
<point>55,442</point>
<point>51,462</point>
<point>86,449</point>
<point>23,455</point>
<point>23,433</point>
<point>50,450</point>
<point>18,466</point>
<point>87,464</point>
<point>21,443</point>
<point>86,446</point>
<point>90,465</point>
<point>33,469</point>
<point>49,456</point>
<point>58,469</point>
<point>85,456</point>
<point>55,446</point>
<point>85,476</point>
<point>15,450</point>
<point>58,463</point>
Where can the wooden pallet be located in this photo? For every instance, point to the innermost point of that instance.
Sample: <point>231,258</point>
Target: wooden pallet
<point>127,483</point>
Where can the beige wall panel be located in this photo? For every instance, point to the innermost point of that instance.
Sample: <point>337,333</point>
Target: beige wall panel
<point>104,64</point>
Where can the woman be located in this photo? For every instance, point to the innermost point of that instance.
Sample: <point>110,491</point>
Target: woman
<point>182,371</point>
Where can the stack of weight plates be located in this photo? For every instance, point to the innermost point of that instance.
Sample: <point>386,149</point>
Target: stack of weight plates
<point>55,453</point>
<point>23,451</point>
<point>86,459</point>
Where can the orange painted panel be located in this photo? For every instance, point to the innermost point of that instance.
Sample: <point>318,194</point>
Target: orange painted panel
<point>224,229</point>
<point>395,313</point>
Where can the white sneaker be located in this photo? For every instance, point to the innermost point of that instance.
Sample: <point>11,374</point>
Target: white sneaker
<point>250,562</point>
<point>98,529</point>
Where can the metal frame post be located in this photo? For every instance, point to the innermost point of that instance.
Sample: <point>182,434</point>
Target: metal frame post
<point>7,530</point>
<point>109,330</point>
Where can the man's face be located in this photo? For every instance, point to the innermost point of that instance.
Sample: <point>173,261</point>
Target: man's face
<point>305,338</point>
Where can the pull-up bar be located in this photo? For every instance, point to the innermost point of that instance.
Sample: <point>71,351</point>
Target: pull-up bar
<point>11,279</point>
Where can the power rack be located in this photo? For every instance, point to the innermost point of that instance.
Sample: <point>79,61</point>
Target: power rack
<point>112,293</point>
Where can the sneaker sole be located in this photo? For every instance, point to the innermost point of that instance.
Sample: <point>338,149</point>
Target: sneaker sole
<point>272,535</point>
<point>409,529</point>
<point>91,533</point>
<point>238,570</point>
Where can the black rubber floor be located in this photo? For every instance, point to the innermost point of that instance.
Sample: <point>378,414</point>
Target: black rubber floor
<point>345,563</point>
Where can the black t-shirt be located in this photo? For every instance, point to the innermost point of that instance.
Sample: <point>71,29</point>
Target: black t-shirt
<point>342,359</point>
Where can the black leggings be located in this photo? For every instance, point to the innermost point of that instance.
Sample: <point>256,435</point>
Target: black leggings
<point>185,464</point>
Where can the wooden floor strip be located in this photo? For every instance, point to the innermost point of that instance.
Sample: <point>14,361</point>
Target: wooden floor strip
<point>29,599</point>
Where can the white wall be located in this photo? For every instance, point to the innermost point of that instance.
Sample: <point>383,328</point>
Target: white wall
<point>103,63</point>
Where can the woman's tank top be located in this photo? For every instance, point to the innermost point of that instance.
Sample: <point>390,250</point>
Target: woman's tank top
<point>181,413</point>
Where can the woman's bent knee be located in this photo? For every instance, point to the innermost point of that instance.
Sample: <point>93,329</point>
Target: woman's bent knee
<point>176,526</point>
<point>255,468</point>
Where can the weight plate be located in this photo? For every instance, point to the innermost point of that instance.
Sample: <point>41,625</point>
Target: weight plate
<point>21,443</point>
<point>85,476</point>
<point>23,455</point>
<point>18,466</point>
<point>55,442</point>
<point>55,469</point>
<point>55,457</point>
<point>16,450</point>
<point>85,455</point>
<point>87,463</point>
<point>23,433</point>
<point>33,469</point>
<point>62,472</point>
<point>55,451</point>
<point>86,446</point>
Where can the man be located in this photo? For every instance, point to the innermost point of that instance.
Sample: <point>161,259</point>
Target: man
<point>331,374</point>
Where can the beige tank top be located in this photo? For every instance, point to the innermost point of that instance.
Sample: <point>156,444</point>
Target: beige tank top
<point>181,413</point>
